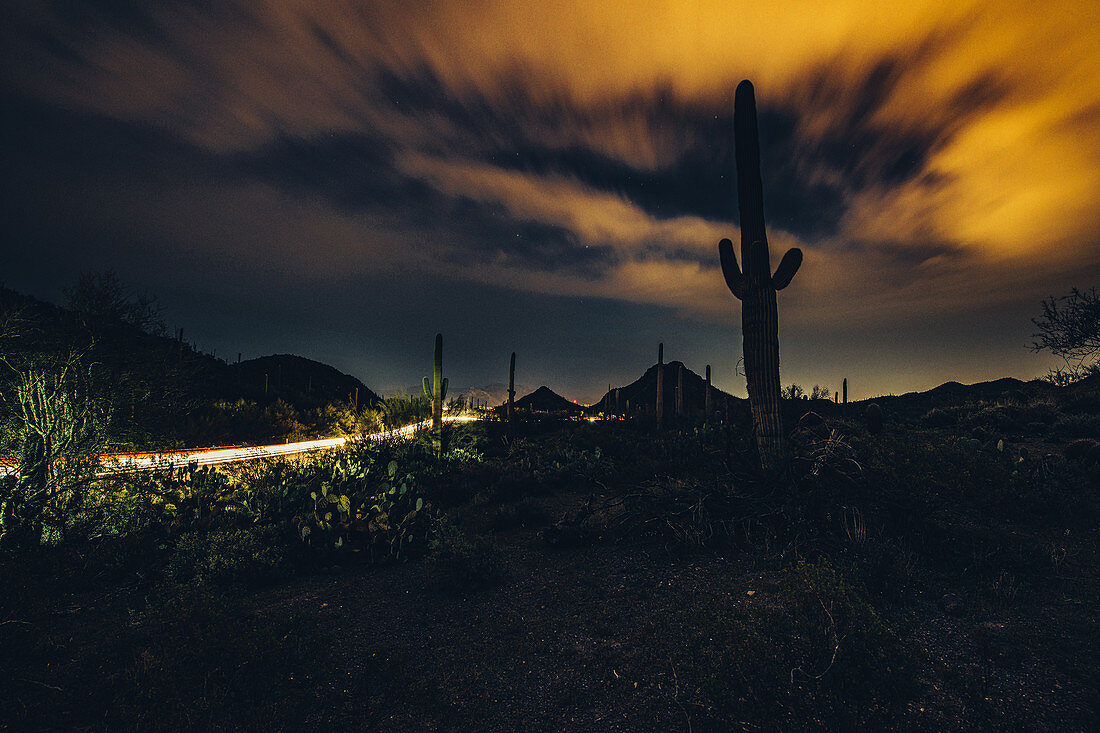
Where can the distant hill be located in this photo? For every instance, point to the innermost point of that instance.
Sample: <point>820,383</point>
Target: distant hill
<point>162,391</point>
<point>298,380</point>
<point>492,395</point>
<point>954,393</point>
<point>545,399</point>
<point>642,393</point>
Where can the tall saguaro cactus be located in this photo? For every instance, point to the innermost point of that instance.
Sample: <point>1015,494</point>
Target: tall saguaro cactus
<point>511,388</point>
<point>755,285</point>
<point>660,385</point>
<point>437,392</point>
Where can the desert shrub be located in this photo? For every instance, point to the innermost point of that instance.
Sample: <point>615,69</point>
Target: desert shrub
<point>815,655</point>
<point>458,563</point>
<point>524,513</point>
<point>400,410</point>
<point>1086,451</point>
<point>923,474</point>
<point>227,557</point>
<point>939,417</point>
<point>1081,403</point>
<point>197,660</point>
<point>1071,427</point>
<point>1009,419</point>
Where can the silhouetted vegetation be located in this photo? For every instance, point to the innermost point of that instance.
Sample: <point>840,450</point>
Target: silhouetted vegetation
<point>1070,328</point>
<point>849,590</point>
<point>922,561</point>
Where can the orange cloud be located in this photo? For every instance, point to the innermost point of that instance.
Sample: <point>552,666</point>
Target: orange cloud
<point>1007,90</point>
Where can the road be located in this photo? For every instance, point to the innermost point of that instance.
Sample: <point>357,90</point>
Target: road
<point>132,462</point>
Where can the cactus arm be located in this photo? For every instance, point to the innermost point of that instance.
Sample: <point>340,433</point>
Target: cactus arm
<point>734,279</point>
<point>788,266</point>
<point>427,388</point>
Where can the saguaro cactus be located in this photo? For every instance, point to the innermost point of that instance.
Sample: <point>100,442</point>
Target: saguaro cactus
<point>511,387</point>
<point>680,393</point>
<point>707,407</point>
<point>436,391</point>
<point>660,385</point>
<point>755,286</point>
<point>846,390</point>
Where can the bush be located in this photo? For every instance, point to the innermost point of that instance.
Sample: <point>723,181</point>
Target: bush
<point>459,563</point>
<point>525,513</point>
<point>198,661</point>
<point>817,655</point>
<point>227,557</point>
<point>1071,427</point>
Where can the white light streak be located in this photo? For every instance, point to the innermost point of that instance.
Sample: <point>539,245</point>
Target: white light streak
<point>133,462</point>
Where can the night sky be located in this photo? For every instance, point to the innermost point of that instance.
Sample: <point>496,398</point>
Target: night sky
<point>341,180</point>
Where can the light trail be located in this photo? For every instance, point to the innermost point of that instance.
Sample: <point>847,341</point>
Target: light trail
<point>150,461</point>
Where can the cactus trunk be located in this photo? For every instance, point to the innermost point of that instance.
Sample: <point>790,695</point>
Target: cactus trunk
<point>437,384</point>
<point>511,387</point>
<point>756,286</point>
<point>436,391</point>
<point>680,393</point>
<point>707,407</point>
<point>660,386</point>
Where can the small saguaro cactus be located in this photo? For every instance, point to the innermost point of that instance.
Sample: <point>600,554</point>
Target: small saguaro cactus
<point>707,406</point>
<point>660,385</point>
<point>845,387</point>
<point>680,393</point>
<point>511,387</point>
<point>755,285</point>
<point>436,391</point>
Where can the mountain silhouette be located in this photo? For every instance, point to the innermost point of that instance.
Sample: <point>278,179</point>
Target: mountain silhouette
<point>545,399</point>
<point>299,380</point>
<point>642,393</point>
